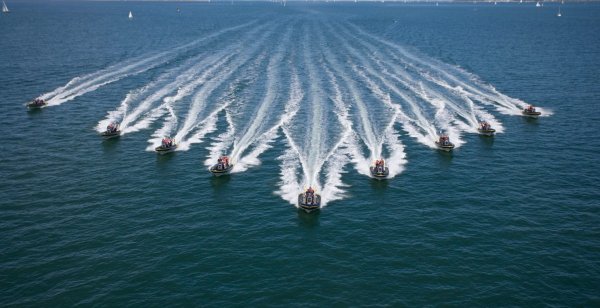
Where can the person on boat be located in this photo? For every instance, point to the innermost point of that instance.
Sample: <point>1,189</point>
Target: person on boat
<point>445,140</point>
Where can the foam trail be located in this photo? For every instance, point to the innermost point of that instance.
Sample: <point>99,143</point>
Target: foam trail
<point>365,127</point>
<point>314,153</point>
<point>351,144</point>
<point>460,78</point>
<point>185,82</point>
<point>389,138</point>
<point>290,184</point>
<point>418,125</point>
<point>251,159</point>
<point>226,138</point>
<point>88,83</point>
<point>168,126</point>
<point>204,127</point>
<point>314,136</point>
<point>200,99</point>
<point>147,94</point>
<point>254,131</point>
<point>199,105</point>
<point>397,158</point>
<point>428,88</point>
<point>442,116</point>
<point>333,188</point>
<point>189,76</point>
<point>115,115</point>
<point>208,125</point>
<point>374,145</point>
<point>290,111</point>
<point>308,155</point>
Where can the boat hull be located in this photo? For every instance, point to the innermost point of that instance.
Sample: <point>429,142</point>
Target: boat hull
<point>107,135</point>
<point>487,132</point>
<point>36,106</point>
<point>534,115</point>
<point>217,172</point>
<point>163,150</point>
<point>309,205</point>
<point>446,148</point>
<point>379,175</point>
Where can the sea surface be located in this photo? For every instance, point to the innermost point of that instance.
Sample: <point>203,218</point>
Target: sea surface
<point>306,94</point>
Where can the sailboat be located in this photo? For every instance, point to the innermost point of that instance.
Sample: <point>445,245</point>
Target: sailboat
<point>559,14</point>
<point>4,8</point>
<point>537,4</point>
<point>130,15</point>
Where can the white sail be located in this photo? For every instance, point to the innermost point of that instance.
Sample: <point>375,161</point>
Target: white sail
<point>559,14</point>
<point>4,8</point>
<point>537,4</point>
<point>130,15</point>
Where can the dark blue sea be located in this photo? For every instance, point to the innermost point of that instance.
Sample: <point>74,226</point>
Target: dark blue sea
<point>300,95</point>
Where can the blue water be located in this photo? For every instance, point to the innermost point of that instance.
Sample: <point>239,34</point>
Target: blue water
<point>306,94</point>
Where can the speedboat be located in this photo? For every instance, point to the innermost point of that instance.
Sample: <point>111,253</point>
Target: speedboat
<point>379,171</point>
<point>309,200</point>
<point>112,131</point>
<point>486,129</point>
<point>37,104</point>
<point>167,145</point>
<point>444,143</point>
<point>531,112</point>
<point>222,167</point>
